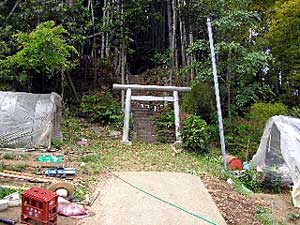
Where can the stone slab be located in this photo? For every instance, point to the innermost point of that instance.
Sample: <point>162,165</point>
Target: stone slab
<point>120,204</point>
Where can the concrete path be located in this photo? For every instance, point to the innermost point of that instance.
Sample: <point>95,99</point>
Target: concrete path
<point>120,204</point>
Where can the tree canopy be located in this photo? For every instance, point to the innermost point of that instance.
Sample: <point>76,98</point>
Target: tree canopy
<point>257,45</point>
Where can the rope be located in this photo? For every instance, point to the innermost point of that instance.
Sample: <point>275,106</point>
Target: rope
<point>162,200</point>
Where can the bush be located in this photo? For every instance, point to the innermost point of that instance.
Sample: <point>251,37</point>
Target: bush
<point>295,112</point>
<point>252,180</point>
<point>261,112</point>
<point>198,101</point>
<point>194,134</point>
<point>165,126</point>
<point>243,137</point>
<point>242,140</point>
<point>165,120</point>
<point>101,108</point>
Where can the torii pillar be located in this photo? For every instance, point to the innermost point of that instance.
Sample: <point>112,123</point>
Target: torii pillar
<point>129,98</point>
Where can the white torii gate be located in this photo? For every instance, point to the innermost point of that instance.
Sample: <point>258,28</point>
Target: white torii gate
<point>129,98</point>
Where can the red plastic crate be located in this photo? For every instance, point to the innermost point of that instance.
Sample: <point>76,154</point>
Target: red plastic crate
<point>39,205</point>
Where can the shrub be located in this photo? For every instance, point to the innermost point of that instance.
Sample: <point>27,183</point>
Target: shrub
<point>165,120</point>
<point>261,112</point>
<point>295,112</point>
<point>243,138</point>
<point>198,101</point>
<point>165,126</point>
<point>252,180</point>
<point>101,108</point>
<point>194,134</point>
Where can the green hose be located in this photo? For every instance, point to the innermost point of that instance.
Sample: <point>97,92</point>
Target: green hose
<point>162,200</point>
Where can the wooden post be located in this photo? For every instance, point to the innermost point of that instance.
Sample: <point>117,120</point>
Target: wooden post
<point>125,139</point>
<point>177,118</point>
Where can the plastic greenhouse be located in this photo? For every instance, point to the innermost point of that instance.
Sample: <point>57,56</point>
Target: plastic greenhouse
<point>29,120</point>
<point>278,155</point>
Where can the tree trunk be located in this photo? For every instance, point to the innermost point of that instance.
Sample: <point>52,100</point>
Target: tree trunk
<point>123,54</point>
<point>182,39</point>
<point>163,27</point>
<point>103,33</point>
<point>94,50</point>
<point>171,49</point>
<point>13,9</point>
<point>192,58</point>
<point>174,47</point>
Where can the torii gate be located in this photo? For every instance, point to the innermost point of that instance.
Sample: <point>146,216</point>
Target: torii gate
<point>129,98</point>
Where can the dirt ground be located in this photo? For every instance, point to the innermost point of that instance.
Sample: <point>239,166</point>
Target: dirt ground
<point>15,214</point>
<point>235,208</point>
<point>239,209</point>
<point>26,163</point>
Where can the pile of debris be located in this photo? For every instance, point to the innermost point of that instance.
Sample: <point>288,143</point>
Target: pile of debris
<point>28,125</point>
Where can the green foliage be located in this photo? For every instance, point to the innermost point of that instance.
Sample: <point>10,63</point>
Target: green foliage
<point>165,126</point>
<point>263,216</point>
<point>56,143</point>
<point>198,45</point>
<point>261,112</point>
<point>295,112</point>
<point>250,94</point>
<point>90,158</point>
<point>80,192</point>
<point>242,137</point>
<point>294,216</point>
<point>5,191</point>
<point>43,51</point>
<point>194,134</point>
<point>17,167</point>
<point>198,101</point>
<point>8,156</point>
<point>284,17</point>
<point>161,59</point>
<point>252,180</point>
<point>101,108</point>
<point>165,120</point>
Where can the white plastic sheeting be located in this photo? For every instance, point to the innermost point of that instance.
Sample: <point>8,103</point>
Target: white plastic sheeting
<point>278,155</point>
<point>29,120</point>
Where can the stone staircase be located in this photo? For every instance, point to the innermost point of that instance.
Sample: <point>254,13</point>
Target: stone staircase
<point>143,113</point>
<point>143,123</point>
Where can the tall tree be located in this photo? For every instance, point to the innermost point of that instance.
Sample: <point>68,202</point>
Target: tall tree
<point>283,38</point>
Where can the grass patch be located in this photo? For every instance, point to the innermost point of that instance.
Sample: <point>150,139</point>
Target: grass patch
<point>8,156</point>
<point>5,191</point>
<point>80,192</point>
<point>263,216</point>
<point>17,168</point>
<point>294,216</point>
<point>147,157</point>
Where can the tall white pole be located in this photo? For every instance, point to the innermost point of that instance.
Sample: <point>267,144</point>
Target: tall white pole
<point>214,67</point>
<point>125,139</point>
<point>177,117</point>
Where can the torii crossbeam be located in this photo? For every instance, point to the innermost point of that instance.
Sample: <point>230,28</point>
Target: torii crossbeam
<point>129,98</point>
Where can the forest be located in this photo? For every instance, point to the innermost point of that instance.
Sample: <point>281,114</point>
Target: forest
<point>78,48</point>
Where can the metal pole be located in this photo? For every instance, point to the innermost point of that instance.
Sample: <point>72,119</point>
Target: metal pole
<point>214,66</point>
